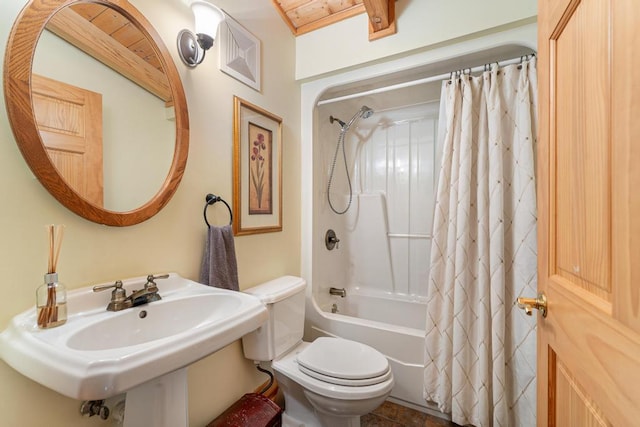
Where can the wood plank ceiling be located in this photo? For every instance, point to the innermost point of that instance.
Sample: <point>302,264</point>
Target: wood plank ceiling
<point>303,16</point>
<point>112,39</point>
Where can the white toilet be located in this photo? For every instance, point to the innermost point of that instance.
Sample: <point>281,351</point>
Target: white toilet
<point>330,382</point>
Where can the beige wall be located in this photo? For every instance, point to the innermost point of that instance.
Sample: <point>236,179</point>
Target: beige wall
<point>421,25</point>
<point>172,240</point>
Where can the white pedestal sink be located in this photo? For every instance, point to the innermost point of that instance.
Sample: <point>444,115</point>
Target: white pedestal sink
<point>142,351</point>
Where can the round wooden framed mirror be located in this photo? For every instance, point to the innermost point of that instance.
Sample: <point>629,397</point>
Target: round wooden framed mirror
<point>145,65</point>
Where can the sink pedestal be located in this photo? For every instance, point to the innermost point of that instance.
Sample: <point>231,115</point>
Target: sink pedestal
<point>161,402</point>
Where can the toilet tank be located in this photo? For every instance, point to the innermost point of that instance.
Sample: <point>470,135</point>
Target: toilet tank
<point>284,298</point>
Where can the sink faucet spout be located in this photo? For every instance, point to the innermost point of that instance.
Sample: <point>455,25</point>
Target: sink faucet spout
<point>149,293</point>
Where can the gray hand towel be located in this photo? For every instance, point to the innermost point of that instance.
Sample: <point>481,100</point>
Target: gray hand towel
<point>219,267</point>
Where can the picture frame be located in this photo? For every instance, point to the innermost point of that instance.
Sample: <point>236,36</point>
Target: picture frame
<point>239,53</point>
<point>257,169</point>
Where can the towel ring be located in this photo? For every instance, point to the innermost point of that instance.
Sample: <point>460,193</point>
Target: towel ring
<point>211,199</point>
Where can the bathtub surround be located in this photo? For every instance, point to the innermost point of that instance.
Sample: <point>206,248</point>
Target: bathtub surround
<point>481,352</point>
<point>384,235</point>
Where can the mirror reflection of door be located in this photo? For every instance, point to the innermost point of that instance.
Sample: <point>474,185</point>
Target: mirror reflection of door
<point>70,122</point>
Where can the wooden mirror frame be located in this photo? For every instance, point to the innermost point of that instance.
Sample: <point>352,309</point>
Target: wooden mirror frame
<point>17,88</point>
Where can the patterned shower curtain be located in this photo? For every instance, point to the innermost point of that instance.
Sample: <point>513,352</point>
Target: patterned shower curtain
<point>480,348</point>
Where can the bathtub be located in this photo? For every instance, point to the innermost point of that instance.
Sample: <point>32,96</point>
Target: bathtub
<point>395,326</point>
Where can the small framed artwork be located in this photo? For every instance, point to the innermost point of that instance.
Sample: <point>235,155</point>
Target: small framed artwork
<point>239,53</point>
<point>257,169</point>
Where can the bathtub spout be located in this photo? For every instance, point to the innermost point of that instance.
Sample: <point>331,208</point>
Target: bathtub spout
<point>341,292</point>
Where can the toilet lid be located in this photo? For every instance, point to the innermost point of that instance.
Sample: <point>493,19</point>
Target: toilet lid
<point>341,381</point>
<point>343,359</point>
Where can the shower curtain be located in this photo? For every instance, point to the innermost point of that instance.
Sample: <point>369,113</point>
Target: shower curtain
<point>480,348</point>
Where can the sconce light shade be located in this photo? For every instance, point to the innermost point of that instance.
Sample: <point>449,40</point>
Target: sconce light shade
<point>192,48</point>
<point>207,17</point>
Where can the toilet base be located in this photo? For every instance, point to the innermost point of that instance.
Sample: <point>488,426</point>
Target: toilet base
<point>300,412</point>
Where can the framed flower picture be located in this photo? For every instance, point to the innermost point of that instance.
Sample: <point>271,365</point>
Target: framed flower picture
<point>257,169</point>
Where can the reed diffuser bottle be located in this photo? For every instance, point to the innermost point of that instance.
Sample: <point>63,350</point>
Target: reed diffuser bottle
<point>51,301</point>
<point>51,297</point>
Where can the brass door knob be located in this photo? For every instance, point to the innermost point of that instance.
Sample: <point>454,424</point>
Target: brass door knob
<point>529,304</point>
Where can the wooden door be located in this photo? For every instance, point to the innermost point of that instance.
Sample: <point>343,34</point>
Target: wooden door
<point>70,122</point>
<point>589,212</point>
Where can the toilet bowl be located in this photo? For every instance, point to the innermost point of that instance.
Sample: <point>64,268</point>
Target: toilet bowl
<point>329,382</point>
<point>335,404</point>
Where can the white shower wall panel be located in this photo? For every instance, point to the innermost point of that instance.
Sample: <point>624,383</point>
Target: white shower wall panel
<point>368,244</point>
<point>398,159</point>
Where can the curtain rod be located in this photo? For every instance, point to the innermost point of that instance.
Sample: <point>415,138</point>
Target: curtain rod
<point>421,81</point>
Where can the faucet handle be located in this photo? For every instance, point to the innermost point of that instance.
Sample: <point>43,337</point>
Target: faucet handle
<point>150,280</point>
<point>151,277</point>
<point>117,285</point>
<point>118,295</point>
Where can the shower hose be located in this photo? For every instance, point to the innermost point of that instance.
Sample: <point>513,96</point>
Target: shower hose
<point>343,132</point>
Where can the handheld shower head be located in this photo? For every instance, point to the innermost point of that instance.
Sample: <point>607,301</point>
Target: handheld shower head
<point>366,112</point>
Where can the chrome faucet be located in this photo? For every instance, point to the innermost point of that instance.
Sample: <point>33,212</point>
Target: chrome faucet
<point>341,292</point>
<point>120,300</point>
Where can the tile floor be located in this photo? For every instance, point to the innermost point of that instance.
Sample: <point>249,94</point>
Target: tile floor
<point>393,415</point>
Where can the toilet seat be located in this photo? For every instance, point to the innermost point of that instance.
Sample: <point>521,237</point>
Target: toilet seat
<point>288,366</point>
<point>341,381</point>
<point>343,362</point>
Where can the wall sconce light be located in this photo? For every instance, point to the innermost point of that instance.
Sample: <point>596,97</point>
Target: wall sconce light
<point>192,47</point>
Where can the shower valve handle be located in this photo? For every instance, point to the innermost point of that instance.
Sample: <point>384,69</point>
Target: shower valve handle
<point>331,241</point>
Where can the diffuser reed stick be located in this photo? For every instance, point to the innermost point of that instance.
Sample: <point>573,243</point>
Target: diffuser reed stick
<point>49,312</point>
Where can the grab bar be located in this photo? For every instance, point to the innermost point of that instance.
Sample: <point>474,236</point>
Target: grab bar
<point>411,236</point>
